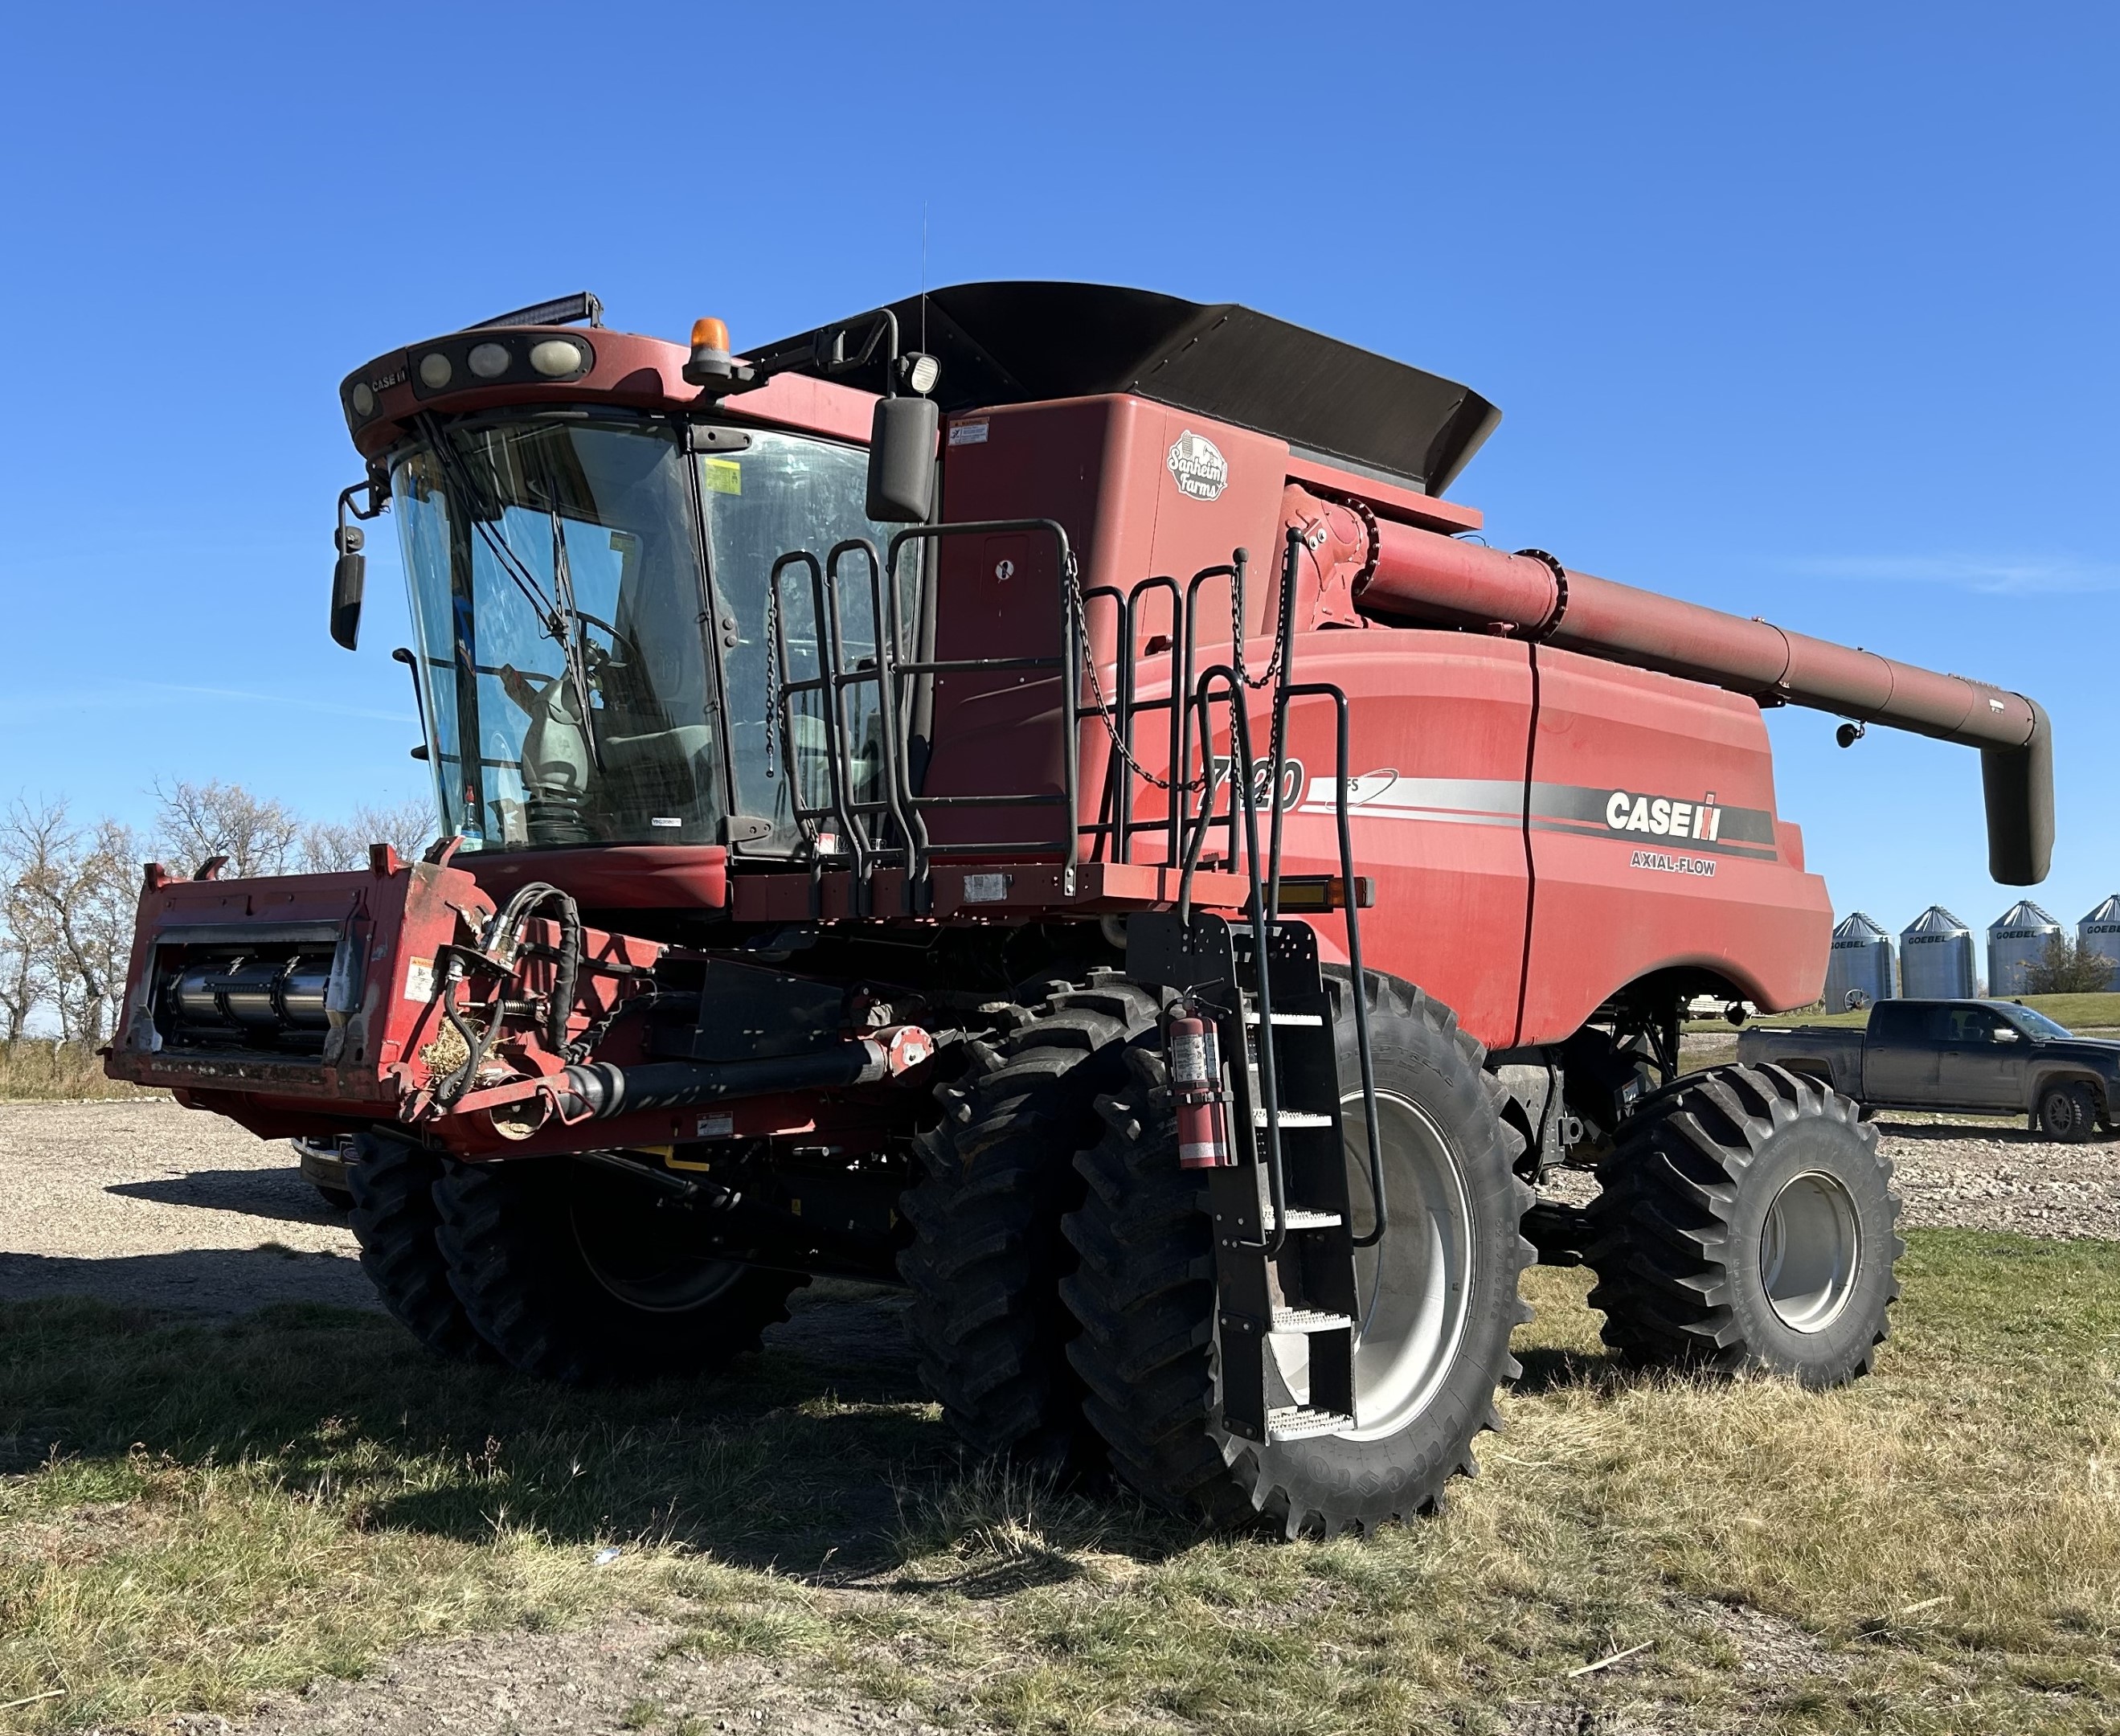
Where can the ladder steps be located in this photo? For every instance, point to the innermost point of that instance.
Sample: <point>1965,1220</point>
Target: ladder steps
<point>1299,1422</point>
<point>1309,1320</point>
<point>1312,1019</point>
<point>1290,1118</point>
<point>1295,1219</point>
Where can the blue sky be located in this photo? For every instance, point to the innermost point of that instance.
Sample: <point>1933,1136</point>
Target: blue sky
<point>1801,311</point>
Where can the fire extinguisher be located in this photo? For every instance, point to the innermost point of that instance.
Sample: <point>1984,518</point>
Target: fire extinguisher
<point>1196,1087</point>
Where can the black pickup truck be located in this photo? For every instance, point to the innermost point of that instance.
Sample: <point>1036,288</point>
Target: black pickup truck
<point>1981,1056</point>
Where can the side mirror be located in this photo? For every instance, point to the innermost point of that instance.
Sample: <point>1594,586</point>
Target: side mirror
<point>901,460</point>
<point>2006,1034</point>
<point>348,578</point>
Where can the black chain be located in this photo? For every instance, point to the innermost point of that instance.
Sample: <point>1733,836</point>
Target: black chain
<point>1237,636</point>
<point>1079,615</point>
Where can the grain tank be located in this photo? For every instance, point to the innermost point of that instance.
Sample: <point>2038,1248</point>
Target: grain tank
<point>2017,940</point>
<point>1935,958</point>
<point>1859,970</point>
<point>2098,936</point>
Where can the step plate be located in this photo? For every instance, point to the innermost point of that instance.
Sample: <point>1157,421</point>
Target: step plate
<point>1293,1219</point>
<point>1299,1422</point>
<point>1309,1320</point>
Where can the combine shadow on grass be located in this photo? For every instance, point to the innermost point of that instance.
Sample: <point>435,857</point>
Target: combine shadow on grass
<point>189,1283</point>
<point>820,1457</point>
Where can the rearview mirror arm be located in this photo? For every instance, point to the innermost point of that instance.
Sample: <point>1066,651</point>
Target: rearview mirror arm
<point>350,572</point>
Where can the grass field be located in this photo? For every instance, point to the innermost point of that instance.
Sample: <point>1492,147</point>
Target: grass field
<point>192,1515</point>
<point>34,1070</point>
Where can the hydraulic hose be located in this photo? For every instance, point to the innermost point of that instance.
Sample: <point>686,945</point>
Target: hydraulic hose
<point>598,1090</point>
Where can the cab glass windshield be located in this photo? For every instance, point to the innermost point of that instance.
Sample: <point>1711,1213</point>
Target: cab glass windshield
<point>586,679</point>
<point>556,597</point>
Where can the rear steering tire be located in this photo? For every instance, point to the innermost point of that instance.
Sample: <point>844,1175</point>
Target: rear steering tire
<point>1440,1290</point>
<point>574,1274</point>
<point>1746,1223</point>
<point>988,1255</point>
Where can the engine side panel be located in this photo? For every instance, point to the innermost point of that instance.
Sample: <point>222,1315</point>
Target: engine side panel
<point>1438,725</point>
<point>1655,843</point>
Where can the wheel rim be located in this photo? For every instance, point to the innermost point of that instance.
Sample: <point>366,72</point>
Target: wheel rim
<point>1414,1289</point>
<point>643,1256</point>
<point>1810,1249</point>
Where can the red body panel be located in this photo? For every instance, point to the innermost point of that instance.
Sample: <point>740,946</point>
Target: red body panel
<point>1440,722</point>
<point>612,876</point>
<point>1100,466</point>
<point>1610,903</point>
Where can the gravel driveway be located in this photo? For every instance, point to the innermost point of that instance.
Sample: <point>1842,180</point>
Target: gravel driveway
<point>143,1202</point>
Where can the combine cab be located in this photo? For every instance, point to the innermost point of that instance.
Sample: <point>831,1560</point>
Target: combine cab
<point>1064,819</point>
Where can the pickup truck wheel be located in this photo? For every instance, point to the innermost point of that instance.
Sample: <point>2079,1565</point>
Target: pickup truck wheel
<point>1747,1222</point>
<point>2067,1113</point>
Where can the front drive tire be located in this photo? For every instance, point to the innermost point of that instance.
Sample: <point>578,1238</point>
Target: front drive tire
<point>1747,1224</point>
<point>573,1274</point>
<point>394,1219</point>
<point>986,1255</point>
<point>1145,1293</point>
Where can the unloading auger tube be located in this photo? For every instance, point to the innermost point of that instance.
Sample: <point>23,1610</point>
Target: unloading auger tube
<point>1423,575</point>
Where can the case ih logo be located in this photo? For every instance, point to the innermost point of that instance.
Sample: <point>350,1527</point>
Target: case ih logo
<point>1198,466</point>
<point>1663,817</point>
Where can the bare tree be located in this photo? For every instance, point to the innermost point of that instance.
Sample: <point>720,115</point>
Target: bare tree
<point>25,955</point>
<point>331,846</point>
<point>2065,968</point>
<point>69,903</point>
<point>198,822</point>
<point>69,891</point>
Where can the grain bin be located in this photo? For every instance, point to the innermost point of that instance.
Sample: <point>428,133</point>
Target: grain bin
<point>1935,958</point>
<point>2098,935</point>
<point>1859,971</point>
<point>2017,940</point>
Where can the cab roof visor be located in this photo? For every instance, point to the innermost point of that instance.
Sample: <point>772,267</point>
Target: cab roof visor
<point>1021,342</point>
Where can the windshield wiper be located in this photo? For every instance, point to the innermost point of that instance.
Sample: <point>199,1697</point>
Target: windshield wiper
<point>485,509</point>
<point>575,639</point>
<point>556,615</point>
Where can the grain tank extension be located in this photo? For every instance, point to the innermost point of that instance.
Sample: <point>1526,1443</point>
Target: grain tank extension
<point>1028,793</point>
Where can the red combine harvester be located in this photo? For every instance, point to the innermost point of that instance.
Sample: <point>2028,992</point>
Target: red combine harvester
<point>1062,816</point>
